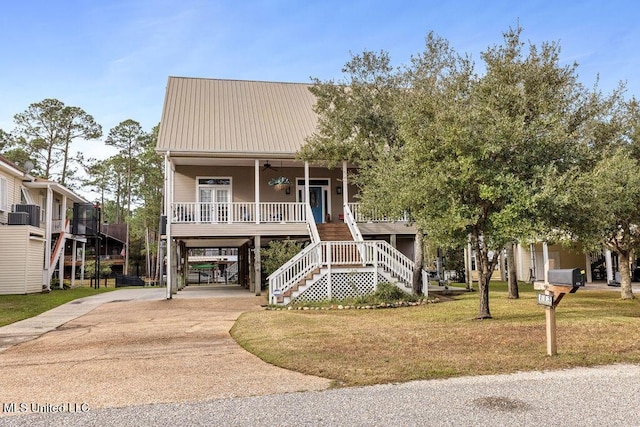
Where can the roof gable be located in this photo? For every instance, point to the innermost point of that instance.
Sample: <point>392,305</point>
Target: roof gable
<point>235,117</point>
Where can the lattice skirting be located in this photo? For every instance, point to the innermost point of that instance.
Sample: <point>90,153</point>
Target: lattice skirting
<point>343,286</point>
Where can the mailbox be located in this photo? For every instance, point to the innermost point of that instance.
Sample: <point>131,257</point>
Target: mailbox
<point>566,277</point>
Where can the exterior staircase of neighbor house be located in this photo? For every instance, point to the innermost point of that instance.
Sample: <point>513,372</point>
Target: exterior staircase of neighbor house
<point>58,248</point>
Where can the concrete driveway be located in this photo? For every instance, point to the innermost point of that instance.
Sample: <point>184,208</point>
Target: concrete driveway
<point>133,347</point>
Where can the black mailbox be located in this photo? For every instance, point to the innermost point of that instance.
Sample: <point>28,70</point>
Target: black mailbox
<point>566,277</point>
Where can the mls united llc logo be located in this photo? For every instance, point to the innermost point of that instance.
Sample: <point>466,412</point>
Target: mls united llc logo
<point>43,408</point>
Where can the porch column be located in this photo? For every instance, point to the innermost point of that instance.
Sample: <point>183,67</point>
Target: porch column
<point>520,262</point>
<point>345,186</point>
<point>257,266</point>
<point>533,268</point>
<point>306,182</point>
<point>47,245</point>
<point>393,240</point>
<point>256,178</point>
<point>252,279</point>
<point>84,247</point>
<point>587,263</point>
<point>74,257</point>
<point>172,271</point>
<point>63,230</point>
<point>609,263</point>
<point>168,188</point>
<point>469,265</point>
<point>503,265</point>
<point>545,257</point>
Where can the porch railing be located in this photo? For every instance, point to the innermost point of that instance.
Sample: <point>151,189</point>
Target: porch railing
<point>238,212</point>
<point>268,212</point>
<point>313,258</point>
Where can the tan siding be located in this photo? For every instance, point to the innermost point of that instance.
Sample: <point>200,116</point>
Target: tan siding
<point>243,183</point>
<point>233,116</point>
<point>21,261</point>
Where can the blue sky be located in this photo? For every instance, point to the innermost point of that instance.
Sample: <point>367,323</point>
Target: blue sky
<point>112,57</point>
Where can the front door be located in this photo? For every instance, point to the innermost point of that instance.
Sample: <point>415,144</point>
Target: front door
<point>319,197</point>
<point>316,202</point>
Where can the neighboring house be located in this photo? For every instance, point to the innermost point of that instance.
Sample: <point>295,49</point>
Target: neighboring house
<point>224,143</point>
<point>34,228</point>
<point>110,247</point>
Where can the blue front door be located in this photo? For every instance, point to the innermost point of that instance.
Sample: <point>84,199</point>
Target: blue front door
<point>315,200</point>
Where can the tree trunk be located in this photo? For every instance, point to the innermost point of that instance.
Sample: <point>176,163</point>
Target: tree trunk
<point>511,271</point>
<point>147,252</point>
<point>67,140</point>
<point>484,275</point>
<point>417,269</point>
<point>626,292</point>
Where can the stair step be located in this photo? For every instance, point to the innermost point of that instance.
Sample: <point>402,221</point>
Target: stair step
<point>334,232</point>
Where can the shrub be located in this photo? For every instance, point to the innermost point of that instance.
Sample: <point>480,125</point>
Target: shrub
<point>388,292</point>
<point>278,253</point>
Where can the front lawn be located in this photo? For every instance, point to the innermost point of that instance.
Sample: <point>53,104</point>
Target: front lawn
<point>361,347</point>
<point>18,307</point>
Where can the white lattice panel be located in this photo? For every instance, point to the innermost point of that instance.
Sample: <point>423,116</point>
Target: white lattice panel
<point>343,285</point>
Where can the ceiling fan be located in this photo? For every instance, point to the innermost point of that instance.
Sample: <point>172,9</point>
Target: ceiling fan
<point>267,165</point>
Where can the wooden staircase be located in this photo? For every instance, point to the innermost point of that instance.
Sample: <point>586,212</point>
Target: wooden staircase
<point>334,232</point>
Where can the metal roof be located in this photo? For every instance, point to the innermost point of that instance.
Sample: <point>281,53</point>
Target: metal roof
<point>235,118</point>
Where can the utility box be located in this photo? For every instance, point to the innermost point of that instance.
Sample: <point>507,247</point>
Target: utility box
<point>566,277</point>
<point>19,218</point>
<point>32,210</point>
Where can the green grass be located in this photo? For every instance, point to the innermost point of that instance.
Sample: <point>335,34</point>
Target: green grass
<point>361,347</point>
<point>18,307</point>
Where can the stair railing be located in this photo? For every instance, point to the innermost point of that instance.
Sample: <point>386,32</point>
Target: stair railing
<point>350,220</point>
<point>327,254</point>
<point>311,225</point>
<point>294,270</point>
<point>396,262</point>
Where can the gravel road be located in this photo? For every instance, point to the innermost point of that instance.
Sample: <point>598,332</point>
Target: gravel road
<point>603,396</point>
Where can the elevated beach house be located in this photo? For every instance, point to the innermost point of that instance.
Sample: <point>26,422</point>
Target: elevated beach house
<point>232,180</point>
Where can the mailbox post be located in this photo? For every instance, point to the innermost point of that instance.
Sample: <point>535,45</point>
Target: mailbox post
<point>561,282</point>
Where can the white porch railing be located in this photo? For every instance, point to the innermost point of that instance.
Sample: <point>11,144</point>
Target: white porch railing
<point>269,212</point>
<point>237,212</point>
<point>367,216</point>
<point>312,227</point>
<point>350,220</point>
<point>313,258</point>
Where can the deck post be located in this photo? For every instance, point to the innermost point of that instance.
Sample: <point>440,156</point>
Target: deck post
<point>587,262</point>
<point>609,263</point>
<point>257,266</point>
<point>345,185</point>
